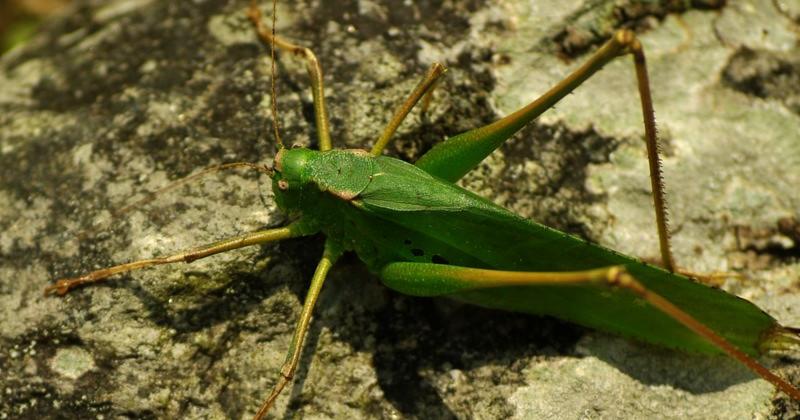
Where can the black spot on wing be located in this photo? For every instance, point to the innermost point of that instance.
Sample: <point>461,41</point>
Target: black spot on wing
<point>438,259</point>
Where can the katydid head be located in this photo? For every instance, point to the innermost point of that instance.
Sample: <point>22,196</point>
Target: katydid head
<point>303,176</point>
<point>290,176</point>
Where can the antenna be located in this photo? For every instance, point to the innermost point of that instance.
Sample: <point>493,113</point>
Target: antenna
<point>272,78</point>
<point>255,16</point>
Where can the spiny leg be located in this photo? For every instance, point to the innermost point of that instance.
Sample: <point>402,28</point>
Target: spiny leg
<point>296,229</point>
<point>330,255</point>
<point>423,279</point>
<point>424,88</point>
<point>314,72</point>
<point>457,155</point>
<point>634,47</point>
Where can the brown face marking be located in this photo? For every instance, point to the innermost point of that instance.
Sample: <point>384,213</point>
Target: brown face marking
<point>278,164</point>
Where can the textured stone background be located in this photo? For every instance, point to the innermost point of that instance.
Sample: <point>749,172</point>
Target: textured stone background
<point>118,98</point>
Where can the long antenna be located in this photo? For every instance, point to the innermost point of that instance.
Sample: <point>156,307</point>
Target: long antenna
<point>272,78</point>
<point>312,65</point>
<point>255,16</point>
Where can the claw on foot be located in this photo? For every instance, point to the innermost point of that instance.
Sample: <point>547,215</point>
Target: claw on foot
<point>63,286</point>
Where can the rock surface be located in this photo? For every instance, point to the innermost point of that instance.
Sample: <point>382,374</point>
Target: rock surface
<point>118,98</point>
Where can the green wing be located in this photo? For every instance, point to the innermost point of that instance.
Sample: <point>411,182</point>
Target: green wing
<point>424,219</point>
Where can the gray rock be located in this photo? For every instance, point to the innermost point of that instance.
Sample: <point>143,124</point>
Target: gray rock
<point>119,98</point>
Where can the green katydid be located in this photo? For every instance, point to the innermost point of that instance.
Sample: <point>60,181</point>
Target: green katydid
<point>387,214</point>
